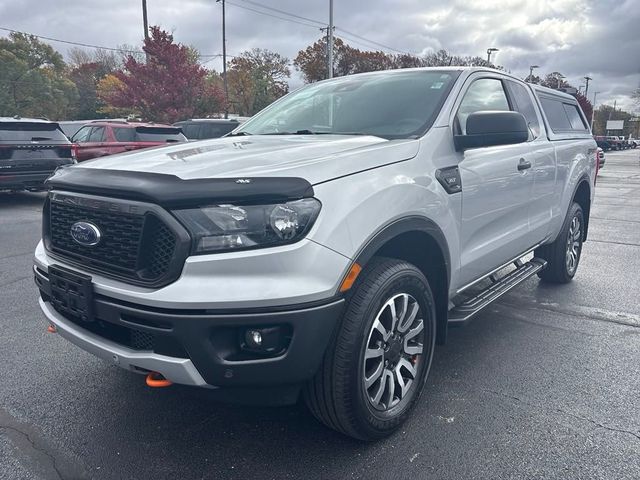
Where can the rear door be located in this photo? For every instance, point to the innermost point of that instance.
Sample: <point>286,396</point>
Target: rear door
<point>124,139</point>
<point>543,158</point>
<point>91,142</point>
<point>495,191</point>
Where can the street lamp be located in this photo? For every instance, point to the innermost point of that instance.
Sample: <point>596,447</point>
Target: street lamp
<point>531,67</point>
<point>593,109</point>
<point>559,76</point>
<point>489,52</point>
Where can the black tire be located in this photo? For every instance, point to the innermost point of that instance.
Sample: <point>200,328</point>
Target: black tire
<point>557,253</point>
<point>337,395</point>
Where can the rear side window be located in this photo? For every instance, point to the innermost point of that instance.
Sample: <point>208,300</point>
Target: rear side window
<point>563,117</point>
<point>97,134</point>
<point>124,134</point>
<point>159,134</point>
<point>524,105</point>
<point>483,94</point>
<point>574,117</point>
<point>31,132</point>
<point>191,130</point>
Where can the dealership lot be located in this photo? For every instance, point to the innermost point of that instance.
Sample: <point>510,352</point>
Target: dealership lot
<point>544,384</point>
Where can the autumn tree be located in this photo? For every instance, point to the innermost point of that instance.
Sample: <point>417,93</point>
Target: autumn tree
<point>347,60</point>
<point>33,79</point>
<point>256,78</point>
<point>108,87</point>
<point>88,69</point>
<point>170,86</point>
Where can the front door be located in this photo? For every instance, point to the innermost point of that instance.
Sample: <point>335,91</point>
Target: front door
<point>496,188</point>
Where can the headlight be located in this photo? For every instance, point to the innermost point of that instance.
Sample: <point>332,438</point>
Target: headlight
<point>233,227</point>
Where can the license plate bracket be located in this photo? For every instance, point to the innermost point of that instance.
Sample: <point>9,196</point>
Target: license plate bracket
<point>71,293</point>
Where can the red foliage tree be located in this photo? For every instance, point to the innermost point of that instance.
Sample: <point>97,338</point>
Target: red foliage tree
<point>169,86</point>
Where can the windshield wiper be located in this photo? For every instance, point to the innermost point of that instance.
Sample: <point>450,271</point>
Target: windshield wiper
<point>36,139</point>
<point>310,132</point>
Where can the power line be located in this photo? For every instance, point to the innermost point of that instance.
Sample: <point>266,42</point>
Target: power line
<point>284,12</point>
<point>315,27</point>
<point>307,19</point>
<point>89,45</point>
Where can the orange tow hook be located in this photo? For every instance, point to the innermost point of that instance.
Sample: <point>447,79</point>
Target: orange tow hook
<point>156,380</point>
<point>52,329</point>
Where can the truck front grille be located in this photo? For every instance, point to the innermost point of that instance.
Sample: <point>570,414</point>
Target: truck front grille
<point>137,247</point>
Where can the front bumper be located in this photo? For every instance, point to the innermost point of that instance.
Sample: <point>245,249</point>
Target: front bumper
<point>198,347</point>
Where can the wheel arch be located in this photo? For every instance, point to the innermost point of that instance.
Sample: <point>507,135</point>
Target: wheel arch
<point>420,241</point>
<point>582,196</point>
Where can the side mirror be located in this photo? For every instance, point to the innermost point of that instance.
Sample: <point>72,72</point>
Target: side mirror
<point>489,128</point>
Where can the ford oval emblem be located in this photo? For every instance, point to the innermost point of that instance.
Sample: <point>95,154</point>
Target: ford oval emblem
<point>86,234</point>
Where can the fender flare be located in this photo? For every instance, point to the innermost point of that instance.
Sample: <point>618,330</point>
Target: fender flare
<point>406,225</point>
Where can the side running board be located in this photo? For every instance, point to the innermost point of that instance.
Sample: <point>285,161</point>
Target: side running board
<point>462,313</point>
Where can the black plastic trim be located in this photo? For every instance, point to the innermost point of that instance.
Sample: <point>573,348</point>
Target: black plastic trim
<point>170,191</point>
<point>207,336</point>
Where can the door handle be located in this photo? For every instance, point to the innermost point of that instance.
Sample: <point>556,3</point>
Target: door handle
<point>523,164</point>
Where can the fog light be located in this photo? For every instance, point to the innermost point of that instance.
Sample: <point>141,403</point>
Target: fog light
<point>267,341</point>
<point>253,338</point>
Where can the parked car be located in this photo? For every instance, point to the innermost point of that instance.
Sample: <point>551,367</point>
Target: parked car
<point>102,138</point>
<point>325,246</point>
<point>603,143</point>
<point>600,158</point>
<point>70,127</point>
<point>31,150</point>
<point>204,128</point>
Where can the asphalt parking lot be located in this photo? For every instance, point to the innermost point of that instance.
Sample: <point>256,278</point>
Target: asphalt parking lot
<point>543,384</point>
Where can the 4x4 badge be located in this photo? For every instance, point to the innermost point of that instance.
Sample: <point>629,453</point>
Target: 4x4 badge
<point>243,180</point>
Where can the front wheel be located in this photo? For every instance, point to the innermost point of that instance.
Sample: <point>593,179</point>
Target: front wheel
<point>563,255</point>
<point>375,369</point>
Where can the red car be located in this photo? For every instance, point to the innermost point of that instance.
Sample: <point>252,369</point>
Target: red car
<point>101,138</point>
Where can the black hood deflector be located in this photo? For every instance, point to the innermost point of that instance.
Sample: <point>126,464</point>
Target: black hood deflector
<point>173,192</point>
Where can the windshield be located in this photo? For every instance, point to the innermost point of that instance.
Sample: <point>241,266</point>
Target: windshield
<point>31,132</point>
<point>388,105</point>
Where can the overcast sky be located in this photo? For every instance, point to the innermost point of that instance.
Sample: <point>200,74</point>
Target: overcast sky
<point>599,38</point>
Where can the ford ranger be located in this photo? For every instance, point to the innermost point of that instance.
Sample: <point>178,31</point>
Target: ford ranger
<point>324,247</point>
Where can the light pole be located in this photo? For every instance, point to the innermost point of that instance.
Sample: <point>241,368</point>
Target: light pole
<point>330,42</point>
<point>593,109</point>
<point>587,79</point>
<point>224,62</point>
<point>489,52</point>
<point>531,67</point>
<point>559,76</point>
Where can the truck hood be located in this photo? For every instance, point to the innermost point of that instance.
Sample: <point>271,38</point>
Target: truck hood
<point>316,158</point>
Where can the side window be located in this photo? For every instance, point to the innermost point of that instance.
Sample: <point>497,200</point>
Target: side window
<point>191,131</point>
<point>97,134</point>
<point>124,134</point>
<point>574,117</point>
<point>483,94</point>
<point>81,135</point>
<point>556,114</point>
<point>524,104</point>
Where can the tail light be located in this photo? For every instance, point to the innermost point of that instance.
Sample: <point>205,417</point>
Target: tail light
<point>74,152</point>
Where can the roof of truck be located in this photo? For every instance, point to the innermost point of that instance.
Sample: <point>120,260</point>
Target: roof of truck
<point>551,91</point>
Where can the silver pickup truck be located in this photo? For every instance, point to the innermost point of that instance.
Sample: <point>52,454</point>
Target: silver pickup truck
<point>324,247</point>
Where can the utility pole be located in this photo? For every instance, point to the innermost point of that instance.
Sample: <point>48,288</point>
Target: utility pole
<point>587,79</point>
<point>593,109</point>
<point>531,72</point>
<point>224,62</point>
<point>330,40</point>
<point>145,23</point>
<point>489,52</point>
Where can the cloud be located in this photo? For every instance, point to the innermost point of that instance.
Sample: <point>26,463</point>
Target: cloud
<point>598,38</point>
